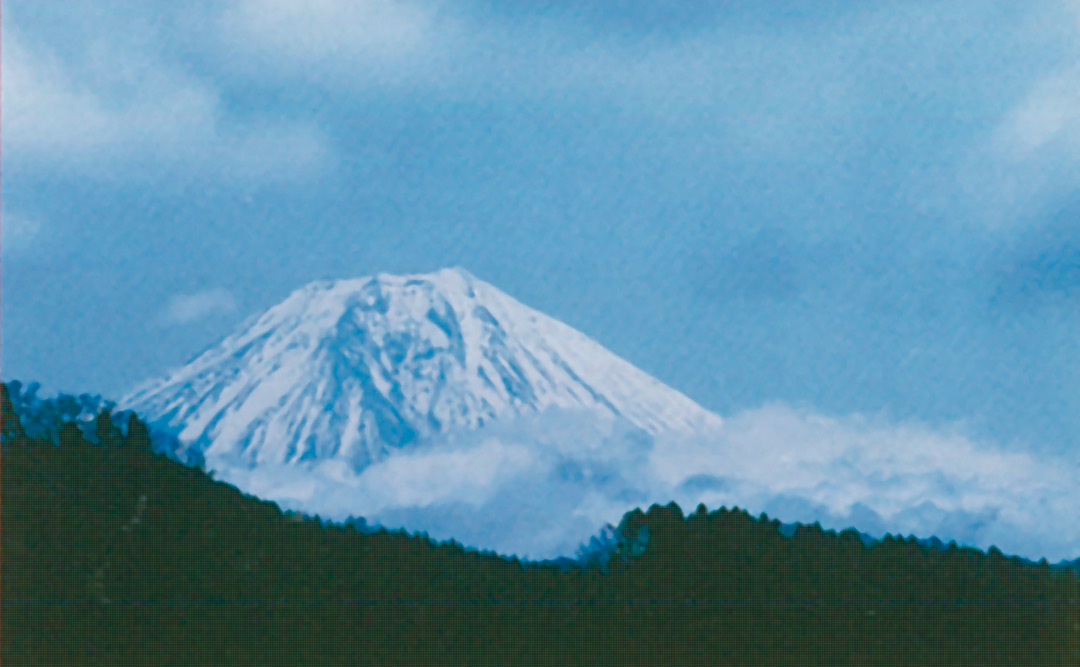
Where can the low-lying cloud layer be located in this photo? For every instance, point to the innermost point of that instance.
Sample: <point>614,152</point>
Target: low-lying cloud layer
<point>539,495</point>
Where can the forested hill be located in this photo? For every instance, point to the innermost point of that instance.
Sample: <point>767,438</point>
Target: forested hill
<point>115,555</point>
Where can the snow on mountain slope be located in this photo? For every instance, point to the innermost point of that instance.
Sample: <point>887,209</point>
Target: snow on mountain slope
<point>354,370</point>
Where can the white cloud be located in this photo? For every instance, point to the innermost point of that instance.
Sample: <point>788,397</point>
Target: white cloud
<point>541,491</point>
<point>1032,153</point>
<point>846,464</point>
<point>710,79</point>
<point>311,38</point>
<point>126,107</point>
<point>467,475</point>
<point>187,308</point>
<point>1048,117</point>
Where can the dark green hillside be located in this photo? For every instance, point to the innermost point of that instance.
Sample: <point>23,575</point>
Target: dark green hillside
<point>115,555</point>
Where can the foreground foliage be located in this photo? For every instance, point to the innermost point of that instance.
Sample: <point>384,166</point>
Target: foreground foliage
<point>113,554</point>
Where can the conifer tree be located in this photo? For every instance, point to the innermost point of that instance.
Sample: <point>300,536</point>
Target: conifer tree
<point>70,435</point>
<point>138,437</point>
<point>10,426</point>
<point>107,433</point>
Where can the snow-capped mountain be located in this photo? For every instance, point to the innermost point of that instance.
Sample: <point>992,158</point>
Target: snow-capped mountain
<point>438,403</point>
<point>352,371</point>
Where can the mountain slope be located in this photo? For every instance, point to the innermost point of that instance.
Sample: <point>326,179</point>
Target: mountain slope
<point>352,370</point>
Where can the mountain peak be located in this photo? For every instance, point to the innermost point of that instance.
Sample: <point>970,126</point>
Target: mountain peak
<point>355,369</point>
<point>447,281</point>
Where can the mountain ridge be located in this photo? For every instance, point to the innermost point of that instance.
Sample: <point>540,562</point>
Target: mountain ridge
<point>397,358</point>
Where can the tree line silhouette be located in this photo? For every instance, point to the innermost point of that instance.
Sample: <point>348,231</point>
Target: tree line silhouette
<point>116,554</point>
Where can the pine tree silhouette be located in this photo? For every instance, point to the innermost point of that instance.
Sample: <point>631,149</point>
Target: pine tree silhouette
<point>10,425</point>
<point>138,437</point>
<point>70,435</point>
<point>107,433</point>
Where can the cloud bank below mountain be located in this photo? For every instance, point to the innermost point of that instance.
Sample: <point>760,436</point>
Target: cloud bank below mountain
<point>519,490</point>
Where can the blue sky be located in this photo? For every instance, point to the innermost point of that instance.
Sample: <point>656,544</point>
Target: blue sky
<point>853,208</point>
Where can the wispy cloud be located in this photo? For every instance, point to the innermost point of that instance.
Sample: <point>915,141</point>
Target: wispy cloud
<point>127,108</point>
<point>328,32</point>
<point>187,308</point>
<point>1030,155</point>
<point>1049,117</point>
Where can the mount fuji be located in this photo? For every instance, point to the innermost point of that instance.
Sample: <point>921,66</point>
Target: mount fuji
<point>430,401</point>
<point>356,370</point>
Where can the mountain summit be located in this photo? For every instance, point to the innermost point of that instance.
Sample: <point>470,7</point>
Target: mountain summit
<point>353,370</point>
